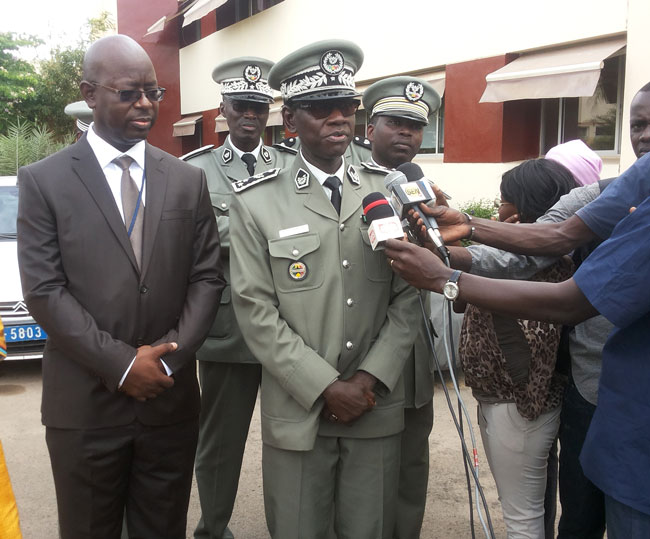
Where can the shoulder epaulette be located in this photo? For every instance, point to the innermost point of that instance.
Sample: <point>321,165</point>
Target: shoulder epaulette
<point>198,151</point>
<point>362,141</point>
<point>287,145</point>
<point>375,168</point>
<point>242,185</point>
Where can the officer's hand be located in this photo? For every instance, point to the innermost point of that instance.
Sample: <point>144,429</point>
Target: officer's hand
<point>347,400</point>
<point>147,377</point>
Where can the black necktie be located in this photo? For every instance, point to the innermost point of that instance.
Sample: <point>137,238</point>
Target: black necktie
<point>250,161</point>
<point>333,184</point>
<point>130,195</point>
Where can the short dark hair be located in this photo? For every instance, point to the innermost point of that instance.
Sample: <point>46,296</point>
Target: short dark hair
<point>645,88</point>
<point>536,185</point>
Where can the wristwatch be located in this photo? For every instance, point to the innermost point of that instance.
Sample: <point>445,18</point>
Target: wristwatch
<point>450,289</point>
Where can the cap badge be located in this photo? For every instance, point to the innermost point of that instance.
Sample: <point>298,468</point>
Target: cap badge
<point>297,271</point>
<point>332,62</point>
<point>301,179</point>
<point>252,73</point>
<point>414,91</point>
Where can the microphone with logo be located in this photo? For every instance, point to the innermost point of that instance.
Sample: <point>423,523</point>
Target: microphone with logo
<point>408,189</point>
<point>384,224</point>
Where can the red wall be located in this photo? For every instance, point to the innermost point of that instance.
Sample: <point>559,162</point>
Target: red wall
<point>486,132</point>
<point>473,130</point>
<point>133,19</point>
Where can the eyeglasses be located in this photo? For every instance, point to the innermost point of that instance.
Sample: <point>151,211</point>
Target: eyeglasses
<point>133,96</point>
<point>322,109</point>
<point>244,106</point>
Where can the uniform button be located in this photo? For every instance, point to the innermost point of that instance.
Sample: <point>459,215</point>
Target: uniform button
<point>350,302</point>
<point>341,226</point>
<point>139,342</point>
<point>295,252</point>
<point>143,289</point>
<point>345,264</point>
<point>349,345</point>
<point>224,205</point>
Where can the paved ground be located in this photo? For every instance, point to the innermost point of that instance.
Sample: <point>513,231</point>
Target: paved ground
<point>23,439</point>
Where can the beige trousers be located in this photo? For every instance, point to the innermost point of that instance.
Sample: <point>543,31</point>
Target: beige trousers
<point>517,452</point>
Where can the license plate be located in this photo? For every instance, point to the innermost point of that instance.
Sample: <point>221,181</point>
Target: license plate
<point>32,332</point>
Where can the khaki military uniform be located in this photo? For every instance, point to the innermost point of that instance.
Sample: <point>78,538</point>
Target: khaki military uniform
<point>229,373</point>
<point>418,422</point>
<point>314,303</point>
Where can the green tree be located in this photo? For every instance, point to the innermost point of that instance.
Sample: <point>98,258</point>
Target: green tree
<point>58,80</point>
<point>17,77</point>
<point>26,143</point>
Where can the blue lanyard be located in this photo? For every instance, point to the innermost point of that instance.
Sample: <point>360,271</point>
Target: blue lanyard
<point>137,204</point>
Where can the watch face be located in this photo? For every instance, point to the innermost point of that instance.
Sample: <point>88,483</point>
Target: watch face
<point>450,290</point>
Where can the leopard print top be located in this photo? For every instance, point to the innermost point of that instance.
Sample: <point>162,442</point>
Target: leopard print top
<point>484,364</point>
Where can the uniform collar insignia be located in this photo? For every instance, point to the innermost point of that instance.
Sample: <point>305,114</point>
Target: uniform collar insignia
<point>301,179</point>
<point>242,185</point>
<point>353,175</point>
<point>266,155</point>
<point>226,155</point>
<point>368,165</point>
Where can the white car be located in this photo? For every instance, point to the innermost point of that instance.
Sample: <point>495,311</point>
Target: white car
<point>25,338</point>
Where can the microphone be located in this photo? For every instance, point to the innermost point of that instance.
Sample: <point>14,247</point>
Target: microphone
<point>413,172</point>
<point>383,222</point>
<point>409,190</point>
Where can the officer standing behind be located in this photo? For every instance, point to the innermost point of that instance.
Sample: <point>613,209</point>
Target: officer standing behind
<point>399,109</point>
<point>229,373</point>
<point>83,115</point>
<point>323,314</point>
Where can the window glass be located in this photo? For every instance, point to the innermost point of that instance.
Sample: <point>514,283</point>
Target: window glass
<point>237,10</point>
<point>8,212</point>
<point>433,137</point>
<point>596,119</point>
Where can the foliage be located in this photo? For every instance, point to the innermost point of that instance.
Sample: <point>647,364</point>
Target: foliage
<point>26,143</point>
<point>483,208</point>
<point>58,83</point>
<point>17,77</point>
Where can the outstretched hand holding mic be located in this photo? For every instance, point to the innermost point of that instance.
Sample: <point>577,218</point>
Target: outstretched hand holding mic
<point>410,191</point>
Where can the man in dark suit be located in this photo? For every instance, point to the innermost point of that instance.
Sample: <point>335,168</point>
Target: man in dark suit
<point>119,259</point>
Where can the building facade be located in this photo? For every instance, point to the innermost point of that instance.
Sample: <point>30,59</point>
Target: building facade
<point>516,76</point>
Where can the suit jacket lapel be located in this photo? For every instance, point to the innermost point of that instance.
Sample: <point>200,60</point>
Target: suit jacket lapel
<point>86,167</point>
<point>156,178</point>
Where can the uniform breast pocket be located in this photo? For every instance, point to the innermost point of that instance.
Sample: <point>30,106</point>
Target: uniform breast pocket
<point>374,262</point>
<point>220,203</point>
<point>296,263</point>
<point>222,326</point>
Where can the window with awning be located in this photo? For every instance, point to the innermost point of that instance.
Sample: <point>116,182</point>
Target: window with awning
<point>567,72</point>
<point>186,126</point>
